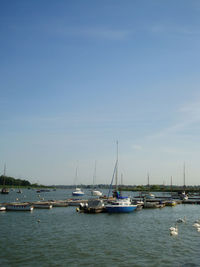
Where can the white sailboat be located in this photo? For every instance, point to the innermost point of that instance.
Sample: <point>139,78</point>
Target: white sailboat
<point>183,195</point>
<point>77,191</point>
<point>94,191</point>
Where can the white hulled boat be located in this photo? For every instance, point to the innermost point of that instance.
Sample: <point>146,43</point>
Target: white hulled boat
<point>94,191</point>
<point>77,191</point>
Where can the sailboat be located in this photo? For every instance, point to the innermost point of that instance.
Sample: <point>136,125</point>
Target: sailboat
<point>94,191</point>
<point>4,189</point>
<point>149,195</point>
<point>183,195</point>
<point>77,191</point>
<point>120,204</point>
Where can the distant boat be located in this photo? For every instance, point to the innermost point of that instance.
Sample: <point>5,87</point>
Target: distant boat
<point>94,191</point>
<point>4,189</point>
<point>19,207</point>
<point>77,191</point>
<point>2,208</point>
<point>183,195</point>
<point>149,195</point>
<point>120,204</point>
<point>40,205</point>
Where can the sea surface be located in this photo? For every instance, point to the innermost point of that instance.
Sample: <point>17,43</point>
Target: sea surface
<point>63,237</point>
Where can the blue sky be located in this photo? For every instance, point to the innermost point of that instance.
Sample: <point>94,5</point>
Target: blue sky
<point>75,76</point>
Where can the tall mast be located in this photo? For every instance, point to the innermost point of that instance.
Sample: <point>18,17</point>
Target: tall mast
<point>184,175</point>
<point>94,176</point>
<point>148,181</point>
<point>171,184</point>
<point>76,175</point>
<point>116,173</point>
<point>4,175</point>
<point>4,172</point>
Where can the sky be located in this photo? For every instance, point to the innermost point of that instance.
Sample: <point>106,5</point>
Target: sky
<point>76,76</point>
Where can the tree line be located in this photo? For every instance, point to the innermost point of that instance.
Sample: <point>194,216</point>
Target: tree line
<point>10,181</point>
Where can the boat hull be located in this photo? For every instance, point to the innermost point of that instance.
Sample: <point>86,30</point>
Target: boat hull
<point>96,193</point>
<point>120,209</point>
<point>4,191</point>
<point>42,206</point>
<point>77,194</point>
<point>19,207</point>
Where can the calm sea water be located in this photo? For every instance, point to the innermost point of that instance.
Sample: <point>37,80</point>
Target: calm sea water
<point>64,237</point>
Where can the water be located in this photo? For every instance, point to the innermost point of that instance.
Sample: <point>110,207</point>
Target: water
<point>64,237</point>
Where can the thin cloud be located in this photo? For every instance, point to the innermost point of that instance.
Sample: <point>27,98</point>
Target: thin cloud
<point>94,33</point>
<point>190,115</point>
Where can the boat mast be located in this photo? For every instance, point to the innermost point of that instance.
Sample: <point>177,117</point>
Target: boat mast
<point>94,175</point>
<point>116,173</point>
<point>148,181</point>
<point>171,185</point>
<point>4,174</point>
<point>76,176</point>
<point>184,176</point>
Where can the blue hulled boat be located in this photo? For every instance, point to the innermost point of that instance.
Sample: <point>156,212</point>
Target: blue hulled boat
<point>78,192</point>
<point>120,204</point>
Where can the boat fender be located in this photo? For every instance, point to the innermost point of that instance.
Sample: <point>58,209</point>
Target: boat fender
<point>77,209</point>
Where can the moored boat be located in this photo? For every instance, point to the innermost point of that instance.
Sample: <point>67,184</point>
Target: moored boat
<point>42,205</point>
<point>19,207</point>
<point>4,190</point>
<point>2,208</point>
<point>78,192</point>
<point>95,192</point>
<point>93,206</point>
<point>121,205</point>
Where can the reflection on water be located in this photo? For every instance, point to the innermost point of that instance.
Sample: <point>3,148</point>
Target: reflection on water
<point>63,237</point>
